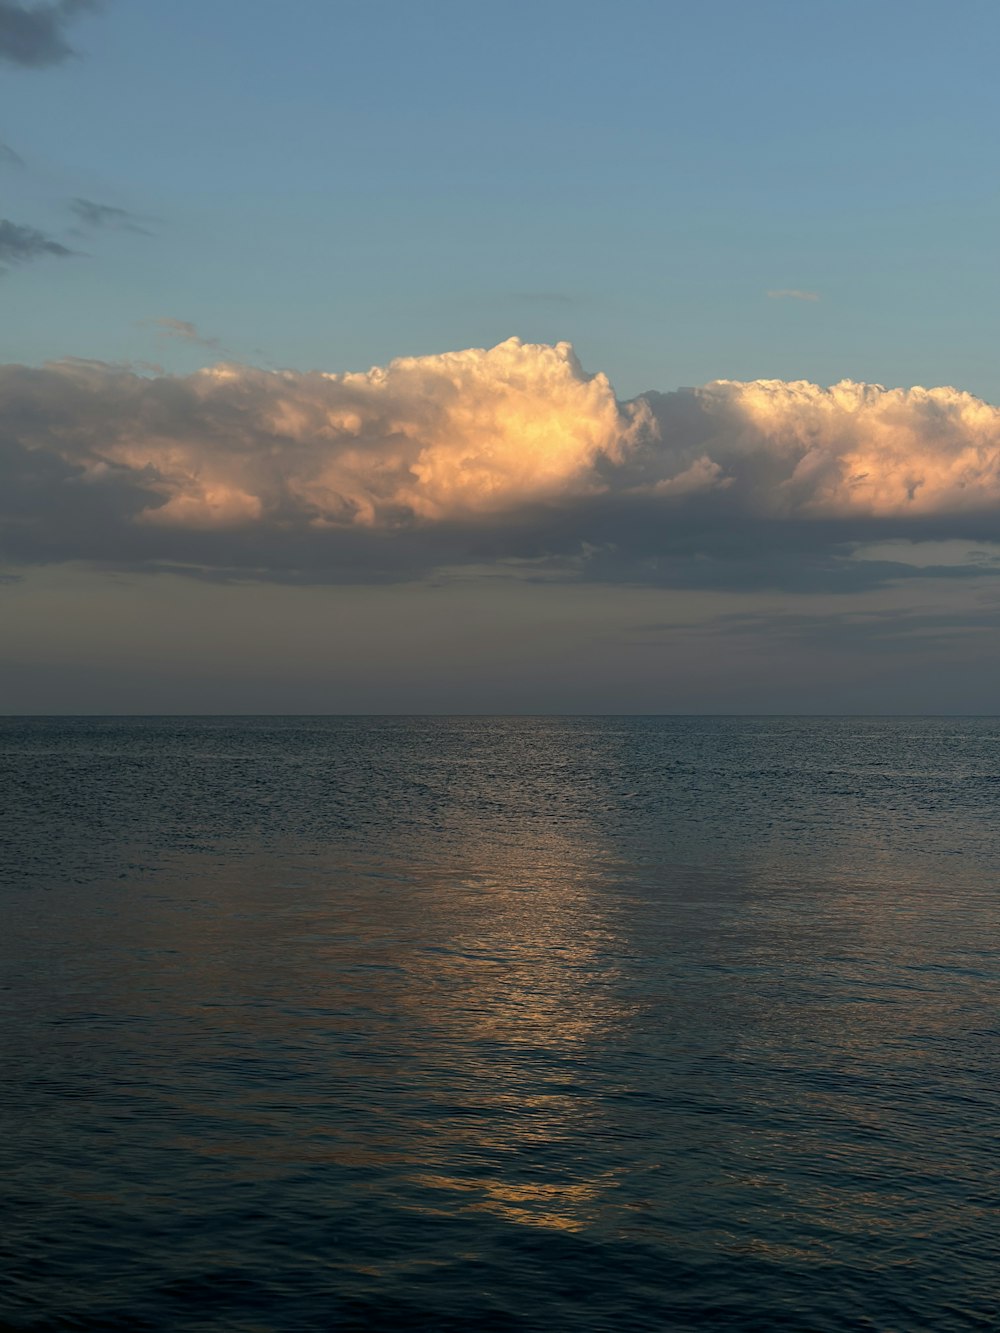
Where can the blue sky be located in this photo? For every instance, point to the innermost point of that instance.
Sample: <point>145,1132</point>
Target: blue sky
<point>331,185</point>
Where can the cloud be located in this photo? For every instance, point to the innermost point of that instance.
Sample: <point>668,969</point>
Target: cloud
<point>182,329</point>
<point>9,158</point>
<point>510,457</point>
<point>793,294</point>
<point>902,629</point>
<point>794,449</point>
<point>20,245</point>
<point>104,217</point>
<point>33,35</point>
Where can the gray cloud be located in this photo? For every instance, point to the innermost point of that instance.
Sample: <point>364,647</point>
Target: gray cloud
<point>901,629</point>
<point>184,330</point>
<point>510,458</point>
<point>34,35</point>
<point>20,244</point>
<point>99,217</point>
<point>9,158</point>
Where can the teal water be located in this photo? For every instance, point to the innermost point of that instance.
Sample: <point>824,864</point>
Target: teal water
<point>513,1024</point>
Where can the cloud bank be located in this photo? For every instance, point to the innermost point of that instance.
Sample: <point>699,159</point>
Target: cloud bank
<point>510,456</point>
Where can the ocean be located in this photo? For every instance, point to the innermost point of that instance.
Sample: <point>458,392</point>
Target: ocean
<point>596,1023</point>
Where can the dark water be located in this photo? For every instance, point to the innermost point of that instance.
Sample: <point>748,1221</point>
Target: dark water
<point>513,1024</point>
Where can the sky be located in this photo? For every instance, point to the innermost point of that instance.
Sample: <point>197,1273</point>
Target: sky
<point>545,357</point>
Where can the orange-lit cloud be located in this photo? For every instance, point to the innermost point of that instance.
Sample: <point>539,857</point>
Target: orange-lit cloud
<point>422,439</point>
<point>472,456</point>
<point>795,449</point>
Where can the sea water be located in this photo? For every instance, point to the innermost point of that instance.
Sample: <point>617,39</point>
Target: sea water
<point>499,1023</point>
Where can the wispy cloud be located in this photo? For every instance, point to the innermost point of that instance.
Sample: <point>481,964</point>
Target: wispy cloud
<point>487,457</point>
<point>184,330</point>
<point>792,294</point>
<point>99,217</point>
<point>20,244</point>
<point>8,157</point>
<point>900,629</point>
<point>34,35</point>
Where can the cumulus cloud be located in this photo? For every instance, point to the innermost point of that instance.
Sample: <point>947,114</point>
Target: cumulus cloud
<point>34,35</point>
<point>795,450</point>
<point>511,454</point>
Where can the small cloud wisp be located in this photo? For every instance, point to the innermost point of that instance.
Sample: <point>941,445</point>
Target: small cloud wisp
<point>792,294</point>
<point>104,217</point>
<point>182,329</point>
<point>20,244</point>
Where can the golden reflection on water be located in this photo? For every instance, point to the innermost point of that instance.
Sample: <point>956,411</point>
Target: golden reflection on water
<point>567,1206</point>
<point>451,1019</point>
<point>487,1057</point>
<point>523,987</point>
<point>455,1024</point>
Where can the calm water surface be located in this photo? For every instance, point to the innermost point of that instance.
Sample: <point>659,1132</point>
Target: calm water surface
<point>502,1024</point>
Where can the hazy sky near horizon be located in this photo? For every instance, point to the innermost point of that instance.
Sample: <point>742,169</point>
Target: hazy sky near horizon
<point>372,356</point>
